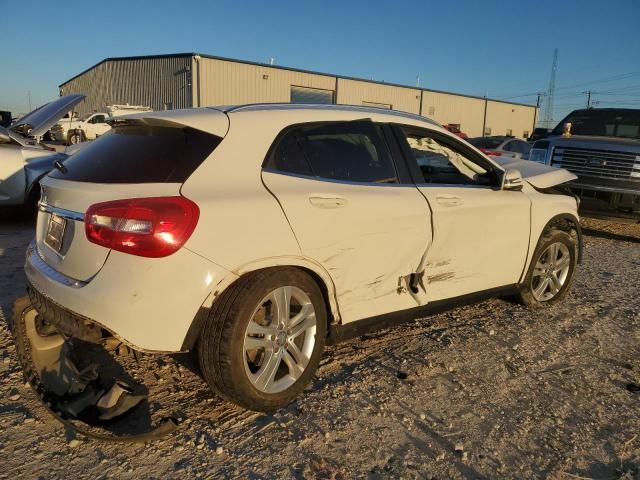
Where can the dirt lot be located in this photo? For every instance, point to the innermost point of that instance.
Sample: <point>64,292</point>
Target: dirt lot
<point>492,390</point>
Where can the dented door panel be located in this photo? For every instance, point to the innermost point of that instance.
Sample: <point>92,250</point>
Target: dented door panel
<point>480,241</point>
<point>368,237</point>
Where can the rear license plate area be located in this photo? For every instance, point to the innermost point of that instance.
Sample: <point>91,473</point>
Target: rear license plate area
<point>55,232</point>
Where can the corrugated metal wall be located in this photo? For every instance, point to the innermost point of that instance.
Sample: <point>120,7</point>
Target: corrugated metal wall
<point>445,108</point>
<point>502,117</point>
<point>354,92</point>
<point>152,82</point>
<point>182,81</point>
<point>227,83</point>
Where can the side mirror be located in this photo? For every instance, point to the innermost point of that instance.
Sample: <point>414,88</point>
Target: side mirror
<point>512,180</point>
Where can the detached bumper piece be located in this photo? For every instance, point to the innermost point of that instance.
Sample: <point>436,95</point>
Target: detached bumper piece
<point>79,382</point>
<point>52,317</point>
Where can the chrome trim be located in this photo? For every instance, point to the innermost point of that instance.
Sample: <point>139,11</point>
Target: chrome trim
<point>333,180</point>
<point>34,264</point>
<point>61,212</point>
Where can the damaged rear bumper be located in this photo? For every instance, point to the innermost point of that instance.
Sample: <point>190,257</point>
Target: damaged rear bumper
<point>65,321</point>
<point>146,303</point>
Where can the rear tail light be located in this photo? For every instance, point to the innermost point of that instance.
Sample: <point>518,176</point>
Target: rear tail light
<point>147,227</point>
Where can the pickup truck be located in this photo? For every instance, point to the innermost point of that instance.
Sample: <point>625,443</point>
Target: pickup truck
<point>602,147</point>
<point>92,125</point>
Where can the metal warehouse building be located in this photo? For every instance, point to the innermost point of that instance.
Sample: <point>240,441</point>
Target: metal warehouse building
<point>186,80</point>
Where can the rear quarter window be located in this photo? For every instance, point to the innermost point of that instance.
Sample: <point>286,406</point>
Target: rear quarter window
<point>140,154</point>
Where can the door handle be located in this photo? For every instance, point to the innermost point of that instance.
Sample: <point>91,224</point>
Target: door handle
<point>327,202</point>
<point>449,200</point>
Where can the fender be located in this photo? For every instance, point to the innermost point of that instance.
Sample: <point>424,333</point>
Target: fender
<point>325,282</point>
<point>568,222</point>
<point>563,221</point>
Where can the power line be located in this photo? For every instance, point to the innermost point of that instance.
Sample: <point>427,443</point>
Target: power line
<point>613,78</point>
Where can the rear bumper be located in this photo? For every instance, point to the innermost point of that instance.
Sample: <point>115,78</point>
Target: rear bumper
<point>147,303</point>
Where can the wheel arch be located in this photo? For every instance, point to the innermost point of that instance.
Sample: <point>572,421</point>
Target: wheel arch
<point>568,223</point>
<point>313,269</point>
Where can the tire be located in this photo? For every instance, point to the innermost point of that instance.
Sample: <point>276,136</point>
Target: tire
<point>75,136</point>
<point>245,316</point>
<point>543,269</point>
<point>31,205</point>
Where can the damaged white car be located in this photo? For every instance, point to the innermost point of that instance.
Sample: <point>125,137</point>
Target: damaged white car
<point>257,234</point>
<point>24,160</point>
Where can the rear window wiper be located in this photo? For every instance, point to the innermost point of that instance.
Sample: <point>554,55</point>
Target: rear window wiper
<point>60,166</point>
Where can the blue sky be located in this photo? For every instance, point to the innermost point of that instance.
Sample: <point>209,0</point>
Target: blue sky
<point>497,48</point>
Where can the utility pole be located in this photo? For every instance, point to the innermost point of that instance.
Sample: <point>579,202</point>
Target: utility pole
<point>588,93</point>
<point>29,97</point>
<point>548,116</point>
<point>535,113</point>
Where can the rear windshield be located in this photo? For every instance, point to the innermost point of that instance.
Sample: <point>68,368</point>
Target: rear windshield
<point>606,123</point>
<point>486,142</point>
<point>140,154</point>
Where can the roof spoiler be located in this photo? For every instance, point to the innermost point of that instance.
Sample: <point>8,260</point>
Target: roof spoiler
<point>206,120</point>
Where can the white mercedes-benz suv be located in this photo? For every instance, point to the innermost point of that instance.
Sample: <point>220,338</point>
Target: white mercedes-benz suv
<point>257,234</point>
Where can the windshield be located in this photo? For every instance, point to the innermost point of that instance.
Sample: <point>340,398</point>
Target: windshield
<point>623,123</point>
<point>486,142</point>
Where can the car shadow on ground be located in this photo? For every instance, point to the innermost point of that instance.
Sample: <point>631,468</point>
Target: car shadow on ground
<point>591,232</point>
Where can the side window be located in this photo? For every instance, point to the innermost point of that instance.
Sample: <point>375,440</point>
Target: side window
<point>288,156</point>
<point>441,161</point>
<point>510,147</point>
<point>350,151</point>
<point>97,119</point>
<point>347,151</point>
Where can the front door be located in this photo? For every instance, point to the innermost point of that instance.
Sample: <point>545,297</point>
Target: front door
<point>481,233</point>
<point>351,213</point>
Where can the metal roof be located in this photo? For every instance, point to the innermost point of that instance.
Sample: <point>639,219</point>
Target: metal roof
<point>279,67</point>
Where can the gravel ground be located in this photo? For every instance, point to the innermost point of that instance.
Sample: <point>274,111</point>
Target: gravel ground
<point>492,390</point>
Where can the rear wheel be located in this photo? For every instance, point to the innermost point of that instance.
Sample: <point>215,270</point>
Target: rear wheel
<point>263,339</point>
<point>550,274</point>
<point>75,136</point>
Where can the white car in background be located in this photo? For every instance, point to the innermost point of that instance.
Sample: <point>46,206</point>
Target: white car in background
<point>506,146</point>
<point>91,126</point>
<point>256,234</point>
<point>24,159</point>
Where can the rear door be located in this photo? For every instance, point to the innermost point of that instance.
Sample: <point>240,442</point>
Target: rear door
<point>480,232</point>
<point>352,210</point>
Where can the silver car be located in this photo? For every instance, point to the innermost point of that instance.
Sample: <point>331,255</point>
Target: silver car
<point>502,146</point>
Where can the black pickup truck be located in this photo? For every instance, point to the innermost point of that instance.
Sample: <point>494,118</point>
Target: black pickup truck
<point>5,119</point>
<point>602,147</point>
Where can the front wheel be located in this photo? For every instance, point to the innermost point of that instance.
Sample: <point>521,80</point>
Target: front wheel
<point>550,274</point>
<point>263,339</point>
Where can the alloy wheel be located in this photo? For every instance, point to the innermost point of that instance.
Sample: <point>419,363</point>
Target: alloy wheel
<point>550,272</point>
<point>279,339</point>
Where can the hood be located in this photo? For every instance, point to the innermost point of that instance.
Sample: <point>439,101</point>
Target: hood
<point>538,175</point>
<point>37,122</point>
